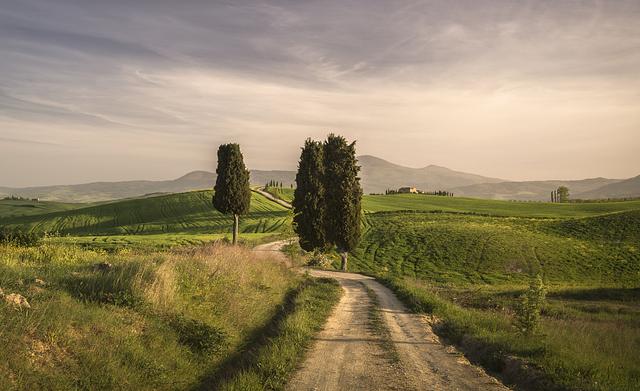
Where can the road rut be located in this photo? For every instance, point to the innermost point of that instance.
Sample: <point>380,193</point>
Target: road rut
<point>348,355</point>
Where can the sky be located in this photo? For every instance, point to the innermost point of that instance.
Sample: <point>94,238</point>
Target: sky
<point>147,89</point>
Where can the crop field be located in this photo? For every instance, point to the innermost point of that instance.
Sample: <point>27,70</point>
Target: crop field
<point>14,208</point>
<point>425,203</point>
<point>190,212</point>
<point>468,249</point>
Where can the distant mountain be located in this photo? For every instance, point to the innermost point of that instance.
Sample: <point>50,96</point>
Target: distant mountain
<point>530,190</point>
<point>104,191</point>
<point>620,189</point>
<point>378,175</point>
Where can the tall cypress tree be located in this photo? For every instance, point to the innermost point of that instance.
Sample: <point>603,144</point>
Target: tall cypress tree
<point>308,199</point>
<point>343,195</point>
<point>232,193</point>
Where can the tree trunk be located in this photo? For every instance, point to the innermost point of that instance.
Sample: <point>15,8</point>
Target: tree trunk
<point>235,228</point>
<point>343,256</point>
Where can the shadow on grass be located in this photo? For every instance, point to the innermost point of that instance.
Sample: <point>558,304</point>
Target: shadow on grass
<point>259,338</point>
<point>614,294</point>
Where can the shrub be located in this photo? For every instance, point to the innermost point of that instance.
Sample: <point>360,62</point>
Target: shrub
<point>320,260</point>
<point>19,238</point>
<point>528,310</point>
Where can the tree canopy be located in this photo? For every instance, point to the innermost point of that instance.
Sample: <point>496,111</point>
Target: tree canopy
<point>308,200</point>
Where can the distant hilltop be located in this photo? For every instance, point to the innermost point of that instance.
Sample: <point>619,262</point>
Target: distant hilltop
<point>378,175</point>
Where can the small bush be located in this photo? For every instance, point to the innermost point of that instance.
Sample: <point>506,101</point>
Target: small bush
<point>19,238</point>
<point>320,260</point>
<point>528,310</point>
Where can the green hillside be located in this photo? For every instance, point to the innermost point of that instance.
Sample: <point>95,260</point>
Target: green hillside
<point>283,193</point>
<point>416,202</point>
<point>175,213</point>
<point>13,208</point>
<point>456,248</point>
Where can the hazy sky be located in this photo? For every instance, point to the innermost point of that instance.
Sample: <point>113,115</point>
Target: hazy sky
<point>147,89</point>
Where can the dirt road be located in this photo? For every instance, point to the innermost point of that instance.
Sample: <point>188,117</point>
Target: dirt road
<point>350,354</point>
<point>273,199</point>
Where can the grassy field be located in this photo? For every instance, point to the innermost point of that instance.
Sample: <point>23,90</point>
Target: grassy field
<point>468,249</point>
<point>424,203</point>
<point>283,193</point>
<point>159,241</point>
<point>464,260</point>
<point>15,208</point>
<point>153,320</point>
<point>468,261</point>
<point>190,212</point>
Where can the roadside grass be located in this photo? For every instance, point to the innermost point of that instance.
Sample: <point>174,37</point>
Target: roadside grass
<point>268,364</point>
<point>150,320</point>
<point>580,346</point>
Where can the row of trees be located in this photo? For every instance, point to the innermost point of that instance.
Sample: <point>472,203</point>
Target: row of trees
<point>273,183</point>
<point>327,199</point>
<point>561,194</point>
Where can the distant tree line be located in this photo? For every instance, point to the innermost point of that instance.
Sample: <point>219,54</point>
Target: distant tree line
<point>20,198</point>
<point>327,199</point>
<point>277,184</point>
<point>442,193</point>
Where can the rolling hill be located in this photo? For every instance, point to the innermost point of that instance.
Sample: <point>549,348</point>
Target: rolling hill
<point>619,189</point>
<point>104,191</point>
<point>532,190</point>
<point>377,175</point>
<point>190,212</point>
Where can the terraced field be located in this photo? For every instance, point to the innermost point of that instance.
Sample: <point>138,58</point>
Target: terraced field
<point>190,212</point>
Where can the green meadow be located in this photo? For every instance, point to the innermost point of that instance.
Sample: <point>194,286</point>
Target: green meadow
<point>465,261</point>
<point>425,203</point>
<point>168,217</point>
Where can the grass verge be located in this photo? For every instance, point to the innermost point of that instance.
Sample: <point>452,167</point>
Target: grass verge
<point>268,364</point>
<point>579,347</point>
<point>132,320</point>
<point>380,327</point>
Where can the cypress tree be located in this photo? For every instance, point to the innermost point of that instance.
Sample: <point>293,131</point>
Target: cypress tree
<point>308,198</point>
<point>232,193</point>
<point>343,195</point>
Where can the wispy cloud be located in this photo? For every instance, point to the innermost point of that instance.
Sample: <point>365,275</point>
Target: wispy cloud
<point>486,86</point>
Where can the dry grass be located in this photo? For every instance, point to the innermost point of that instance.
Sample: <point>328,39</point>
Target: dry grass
<point>157,320</point>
